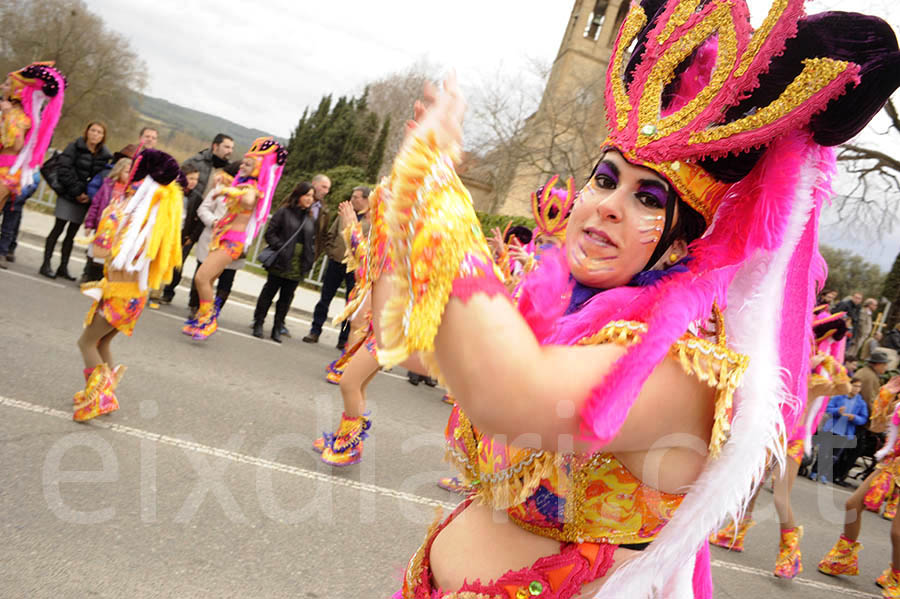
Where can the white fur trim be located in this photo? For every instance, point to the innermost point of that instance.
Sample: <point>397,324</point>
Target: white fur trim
<point>723,489</point>
<point>889,445</point>
<point>812,413</point>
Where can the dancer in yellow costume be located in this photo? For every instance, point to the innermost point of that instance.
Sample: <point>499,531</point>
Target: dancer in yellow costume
<point>139,239</point>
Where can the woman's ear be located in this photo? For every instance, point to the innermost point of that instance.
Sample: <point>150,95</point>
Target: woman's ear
<point>677,251</point>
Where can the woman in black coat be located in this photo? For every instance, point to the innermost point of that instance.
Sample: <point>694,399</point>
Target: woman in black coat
<point>79,162</point>
<point>295,234</point>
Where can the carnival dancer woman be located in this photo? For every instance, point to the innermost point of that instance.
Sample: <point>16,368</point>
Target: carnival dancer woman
<point>139,237</point>
<point>293,232</point>
<point>843,557</point>
<point>32,100</point>
<point>356,248</point>
<point>614,379</point>
<point>248,199</point>
<point>828,377</point>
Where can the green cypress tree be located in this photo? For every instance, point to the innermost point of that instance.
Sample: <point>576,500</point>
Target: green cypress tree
<point>891,291</point>
<point>376,156</point>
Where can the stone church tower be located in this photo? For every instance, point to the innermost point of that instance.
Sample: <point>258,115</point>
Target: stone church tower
<point>564,134</point>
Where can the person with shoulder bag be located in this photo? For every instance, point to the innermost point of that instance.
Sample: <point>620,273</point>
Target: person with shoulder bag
<point>291,246</point>
<point>78,163</point>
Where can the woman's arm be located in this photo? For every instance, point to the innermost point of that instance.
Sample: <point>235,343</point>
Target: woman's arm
<point>273,230</point>
<point>98,203</point>
<point>68,178</point>
<point>509,384</point>
<point>861,413</point>
<point>248,198</point>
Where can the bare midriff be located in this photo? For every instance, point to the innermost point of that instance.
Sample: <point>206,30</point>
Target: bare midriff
<point>484,543</point>
<point>121,276</point>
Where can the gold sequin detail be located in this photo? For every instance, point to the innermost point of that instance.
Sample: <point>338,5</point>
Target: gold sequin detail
<point>761,35</point>
<point>720,21</point>
<point>817,74</point>
<point>635,20</point>
<point>679,17</point>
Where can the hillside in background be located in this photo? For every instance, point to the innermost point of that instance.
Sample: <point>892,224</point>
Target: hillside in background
<point>184,131</point>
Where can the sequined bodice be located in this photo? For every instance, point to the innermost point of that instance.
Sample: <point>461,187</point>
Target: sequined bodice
<point>577,497</point>
<point>568,497</point>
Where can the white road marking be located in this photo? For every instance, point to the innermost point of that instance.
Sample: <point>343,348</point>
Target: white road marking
<point>230,455</point>
<point>824,586</point>
<point>32,277</point>
<point>342,482</point>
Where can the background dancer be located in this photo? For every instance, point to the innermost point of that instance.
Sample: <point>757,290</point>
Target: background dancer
<point>248,200</point>
<point>139,237</point>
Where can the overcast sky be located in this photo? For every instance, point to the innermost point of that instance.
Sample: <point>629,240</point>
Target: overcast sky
<point>259,63</point>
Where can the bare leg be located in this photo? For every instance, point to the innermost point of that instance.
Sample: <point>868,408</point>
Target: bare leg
<point>361,369</point>
<point>854,506</point>
<point>784,483</point>
<point>103,347</point>
<point>208,272</point>
<point>90,339</point>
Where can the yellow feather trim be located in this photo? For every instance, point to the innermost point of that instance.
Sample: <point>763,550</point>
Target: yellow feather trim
<point>432,227</point>
<point>164,246</point>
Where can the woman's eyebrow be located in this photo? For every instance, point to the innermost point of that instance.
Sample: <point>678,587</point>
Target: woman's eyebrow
<point>608,164</point>
<point>654,183</point>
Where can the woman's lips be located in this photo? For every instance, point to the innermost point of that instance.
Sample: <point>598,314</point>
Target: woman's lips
<point>599,238</point>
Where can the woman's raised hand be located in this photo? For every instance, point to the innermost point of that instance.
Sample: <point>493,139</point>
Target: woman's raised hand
<point>441,113</point>
<point>347,214</point>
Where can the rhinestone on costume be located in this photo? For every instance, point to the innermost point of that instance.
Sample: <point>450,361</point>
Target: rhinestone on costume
<point>521,594</point>
<point>535,588</point>
<point>676,165</point>
<point>648,129</point>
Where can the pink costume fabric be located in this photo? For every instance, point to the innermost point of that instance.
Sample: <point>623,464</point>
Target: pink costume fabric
<point>41,90</point>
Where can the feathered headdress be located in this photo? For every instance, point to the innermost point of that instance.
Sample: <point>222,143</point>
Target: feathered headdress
<point>551,207</point>
<point>41,90</point>
<point>736,120</point>
<point>270,158</point>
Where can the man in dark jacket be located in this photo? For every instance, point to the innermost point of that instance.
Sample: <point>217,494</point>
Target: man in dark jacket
<point>208,160</point>
<point>852,305</point>
<point>336,271</point>
<point>322,185</point>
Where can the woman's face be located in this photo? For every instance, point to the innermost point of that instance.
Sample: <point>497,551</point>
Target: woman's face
<point>307,199</point>
<point>247,166</point>
<point>616,222</point>
<point>123,176</point>
<point>95,134</point>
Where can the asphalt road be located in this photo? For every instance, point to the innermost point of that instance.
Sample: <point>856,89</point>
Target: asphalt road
<point>203,483</point>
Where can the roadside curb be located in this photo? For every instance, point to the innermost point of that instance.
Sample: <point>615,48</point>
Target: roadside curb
<point>246,298</point>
